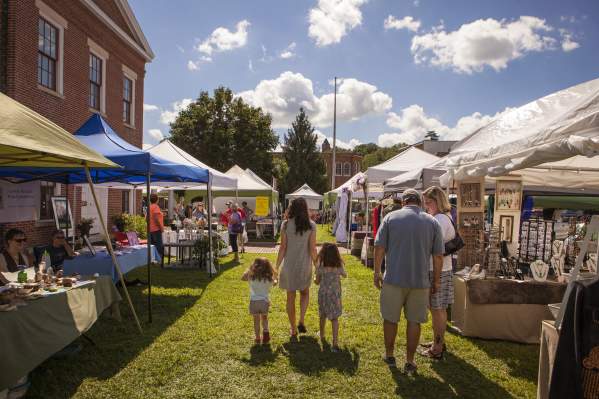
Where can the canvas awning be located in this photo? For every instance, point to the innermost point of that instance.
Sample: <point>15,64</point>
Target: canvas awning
<point>248,180</point>
<point>552,142</point>
<point>403,162</point>
<point>305,192</point>
<point>27,139</point>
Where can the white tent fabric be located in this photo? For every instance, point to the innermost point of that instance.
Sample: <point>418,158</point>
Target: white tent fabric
<point>549,142</point>
<point>403,162</point>
<point>305,192</point>
<point>167,150</point>
<point>416,177</point>
<point>247,180</point>
<point>312,197</point>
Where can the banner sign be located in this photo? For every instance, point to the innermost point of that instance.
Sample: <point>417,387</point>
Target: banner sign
<point>19,202</point>
<point>261,206</point>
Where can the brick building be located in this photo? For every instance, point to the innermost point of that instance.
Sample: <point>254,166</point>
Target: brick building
<point>347,163</point>
<point>67,59</point>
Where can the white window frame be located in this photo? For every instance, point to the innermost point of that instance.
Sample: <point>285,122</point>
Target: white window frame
<point>98,51</point>
<point>131,75</point>
<point>346,168</point>
<point>60,24</point>
<point>340,168</point>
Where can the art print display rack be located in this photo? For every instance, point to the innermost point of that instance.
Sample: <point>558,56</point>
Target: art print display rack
<point>536,238</point>
<point>471,222</point>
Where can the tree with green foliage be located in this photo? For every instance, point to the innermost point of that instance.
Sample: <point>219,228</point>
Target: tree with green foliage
<point>304,161</point>
<point>223,131</point>
<point>431,135</point>
<point>373,154</point>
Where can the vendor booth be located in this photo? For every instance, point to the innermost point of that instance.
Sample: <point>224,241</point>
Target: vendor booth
<point>313,199</point>
<point>551,144</point>
<point>33,333</point>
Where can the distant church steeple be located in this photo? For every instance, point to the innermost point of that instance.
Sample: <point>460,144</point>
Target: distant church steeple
<point>325,145</point>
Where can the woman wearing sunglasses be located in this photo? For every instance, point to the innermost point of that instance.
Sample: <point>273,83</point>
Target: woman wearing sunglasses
<point>13,254</point>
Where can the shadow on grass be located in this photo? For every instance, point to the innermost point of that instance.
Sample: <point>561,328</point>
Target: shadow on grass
<point>261,355</point>
<point>118,344</point>
<point>458,379</point>
<point>522,359</point>
<point>306,356</point>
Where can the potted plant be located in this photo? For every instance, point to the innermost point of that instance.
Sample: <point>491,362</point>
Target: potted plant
<point>85,225</point>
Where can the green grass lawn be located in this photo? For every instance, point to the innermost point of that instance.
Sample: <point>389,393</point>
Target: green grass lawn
<point>200,345</point>
<point>323,234</point>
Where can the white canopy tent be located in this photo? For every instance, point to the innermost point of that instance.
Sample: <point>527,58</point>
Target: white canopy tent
<point>551,142</point>
<point>312,198</point>
<point>402,162</point>
<point>418,178</point>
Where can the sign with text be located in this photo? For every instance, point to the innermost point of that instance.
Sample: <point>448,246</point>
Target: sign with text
<point>19,202</point>
<point>261,206</point>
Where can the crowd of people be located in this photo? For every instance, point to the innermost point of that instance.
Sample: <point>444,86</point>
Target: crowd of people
<point>412,240</point>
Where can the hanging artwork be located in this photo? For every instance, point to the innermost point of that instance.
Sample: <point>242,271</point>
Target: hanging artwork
<point>509,195</point>
<point>470,195</point>
<point>506,223</point>
<point>62,220</point>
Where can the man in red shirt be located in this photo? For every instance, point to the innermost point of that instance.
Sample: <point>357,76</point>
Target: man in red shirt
<point>156,224</point>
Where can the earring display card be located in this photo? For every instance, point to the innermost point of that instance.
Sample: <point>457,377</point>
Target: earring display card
<point>471,225</point>
<point>536,238</point>
<point>470,195</point>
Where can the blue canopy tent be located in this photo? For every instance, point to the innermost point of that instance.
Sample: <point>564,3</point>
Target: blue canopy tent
<point>138,167</point>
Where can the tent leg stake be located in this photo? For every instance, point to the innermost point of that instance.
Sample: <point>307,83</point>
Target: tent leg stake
<point>110,249</point>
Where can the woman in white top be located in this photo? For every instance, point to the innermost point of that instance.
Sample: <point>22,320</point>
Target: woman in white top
<point>437,204</point>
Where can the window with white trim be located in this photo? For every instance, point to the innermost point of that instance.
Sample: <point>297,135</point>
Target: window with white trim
<point>95,82</point>
<point>338,169</point>
<point>47,191</point>
<point>129,83</point>
<point>347,169</point>
<point>51,28</point>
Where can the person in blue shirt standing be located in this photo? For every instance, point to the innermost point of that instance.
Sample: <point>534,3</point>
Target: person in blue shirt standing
<point>407,238</point>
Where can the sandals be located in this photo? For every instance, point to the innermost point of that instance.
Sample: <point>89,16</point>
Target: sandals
<point>430,354</point>
<point>429,345</point>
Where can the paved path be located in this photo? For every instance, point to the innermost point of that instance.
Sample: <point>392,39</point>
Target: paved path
<point>273,249</point>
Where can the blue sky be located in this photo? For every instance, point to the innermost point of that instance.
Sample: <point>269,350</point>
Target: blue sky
<point>406,66</point>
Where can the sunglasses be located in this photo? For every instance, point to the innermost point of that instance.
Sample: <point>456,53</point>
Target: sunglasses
<point>20,240</point>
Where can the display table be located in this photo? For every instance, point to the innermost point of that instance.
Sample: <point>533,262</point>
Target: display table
<point>518,322</point>
<point>549,338</point>
<point>33,333</point>
<point>130,258</point>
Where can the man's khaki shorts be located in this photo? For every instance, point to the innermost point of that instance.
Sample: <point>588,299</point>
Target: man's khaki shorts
<point>413,301</point>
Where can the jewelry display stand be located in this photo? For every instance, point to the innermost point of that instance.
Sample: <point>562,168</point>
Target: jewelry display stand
<point>471,222</point>
<point>535,240</point>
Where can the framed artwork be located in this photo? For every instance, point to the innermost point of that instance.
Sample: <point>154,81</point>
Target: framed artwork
<point>470,195</point>
<point>89,245</point>
<point>508,195</point>
<point>506,223</point>
<point>63,221</point>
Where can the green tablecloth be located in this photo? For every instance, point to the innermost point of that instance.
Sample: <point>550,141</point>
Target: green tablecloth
<point>33,333</point>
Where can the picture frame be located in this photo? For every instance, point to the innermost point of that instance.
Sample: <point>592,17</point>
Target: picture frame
<point>470,195</point>
<point>89,245</point>
<point>506,225</point>
<point>62,221</point>
<point>508,195</point>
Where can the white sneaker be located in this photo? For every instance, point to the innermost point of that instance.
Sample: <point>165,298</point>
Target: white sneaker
<point>464,272</point>
<point>478,276</point>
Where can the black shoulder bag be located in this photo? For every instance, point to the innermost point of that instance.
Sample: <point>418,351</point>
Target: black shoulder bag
<point>456,243</point>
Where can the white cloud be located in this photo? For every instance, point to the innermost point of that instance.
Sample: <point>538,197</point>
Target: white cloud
<point>250,66</point>
<point>150,107</point>
<point>181,49</point>
<point>168,116</point>
<point>485,42</point>
<point>567,43</point>
<point>222,39</point>
<point>568,18</point>
<point>416,3</point>
<point>333,19</point>
<point>347,145</point>
<point>412,123</point>
<point>156,134</point>
<point>193,65</point>
<point>282,98</point>
<point>289,51</point>
<point>406,22</point>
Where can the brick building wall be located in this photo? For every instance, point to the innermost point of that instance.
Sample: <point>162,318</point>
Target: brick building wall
<point>71,108</point>
<point>343,157</point>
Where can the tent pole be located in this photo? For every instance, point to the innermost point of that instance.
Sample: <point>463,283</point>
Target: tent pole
<point>110,249</point>
<point>349,217</point>
<point>149,249</point>
<point>210,251</point>
<point>68,219</point>
<point>367,214</point>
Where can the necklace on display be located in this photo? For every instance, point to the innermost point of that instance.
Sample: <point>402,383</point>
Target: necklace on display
<point>539,270</point>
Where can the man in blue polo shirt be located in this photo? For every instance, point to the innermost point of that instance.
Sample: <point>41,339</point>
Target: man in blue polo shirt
<point>407,238</point>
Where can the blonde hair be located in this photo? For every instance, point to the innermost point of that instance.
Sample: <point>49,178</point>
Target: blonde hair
<point>438,195</point>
